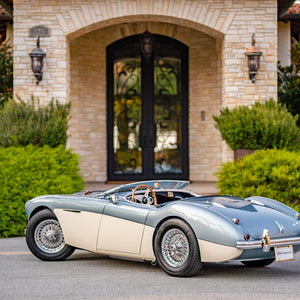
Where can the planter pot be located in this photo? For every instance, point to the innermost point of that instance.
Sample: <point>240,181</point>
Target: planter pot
<point>240,153</point>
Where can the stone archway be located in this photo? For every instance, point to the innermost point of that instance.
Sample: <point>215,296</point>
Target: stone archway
<point>88,132</point>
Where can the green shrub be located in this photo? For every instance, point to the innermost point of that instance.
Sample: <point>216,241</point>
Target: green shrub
<point>270,173</point>
<point>27,172</point>
<point>23,123</point>
<point>263,126</point>
<point>6,74</point>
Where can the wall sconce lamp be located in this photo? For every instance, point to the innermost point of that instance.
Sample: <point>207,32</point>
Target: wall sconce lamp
<point>253,55</point>
<point>147,44</point>
<point>37,56</point>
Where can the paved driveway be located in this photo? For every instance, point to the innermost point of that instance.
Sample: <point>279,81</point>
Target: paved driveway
<point>88,276</point>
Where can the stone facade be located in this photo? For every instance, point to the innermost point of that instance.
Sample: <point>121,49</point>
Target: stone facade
<point>217,32</point>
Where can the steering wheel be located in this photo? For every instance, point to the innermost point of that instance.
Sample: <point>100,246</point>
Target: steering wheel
<point>146,195</point>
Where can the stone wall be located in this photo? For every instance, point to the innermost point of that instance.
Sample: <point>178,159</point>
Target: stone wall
<point>217,32</point>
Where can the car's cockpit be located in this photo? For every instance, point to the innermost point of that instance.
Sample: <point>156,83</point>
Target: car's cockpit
<point>152,192</point>
<point>162,196</point>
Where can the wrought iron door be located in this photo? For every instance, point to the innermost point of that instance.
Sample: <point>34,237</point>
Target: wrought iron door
<point>147,110</point>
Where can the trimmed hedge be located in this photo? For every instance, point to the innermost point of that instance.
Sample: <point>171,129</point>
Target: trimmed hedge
<point>270,173</point>
<point>263,126</point>
<point>27,172</point>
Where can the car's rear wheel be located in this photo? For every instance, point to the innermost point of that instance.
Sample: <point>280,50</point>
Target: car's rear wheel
<point>258,263</point>
<point>44,237</point>
<point>176,249</point>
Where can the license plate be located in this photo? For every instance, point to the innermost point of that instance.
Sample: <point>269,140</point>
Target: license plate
<point>284,253</point>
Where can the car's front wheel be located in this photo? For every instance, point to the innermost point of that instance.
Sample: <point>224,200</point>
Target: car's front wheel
<point>258,263</point>
<point>44,237</point>
<point>176,248</point>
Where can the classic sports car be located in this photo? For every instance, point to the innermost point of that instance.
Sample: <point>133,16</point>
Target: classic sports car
<point>162,222</point>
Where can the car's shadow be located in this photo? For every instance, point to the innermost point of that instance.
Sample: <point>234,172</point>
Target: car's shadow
<point>214,270</point>
<point>234,268</point>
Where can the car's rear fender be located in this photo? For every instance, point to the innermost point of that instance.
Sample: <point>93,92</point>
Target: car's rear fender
<point>212,249</point>
<point>206,224</point>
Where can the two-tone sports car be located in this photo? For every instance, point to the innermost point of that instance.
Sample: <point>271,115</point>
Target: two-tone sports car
<point>162,222</point>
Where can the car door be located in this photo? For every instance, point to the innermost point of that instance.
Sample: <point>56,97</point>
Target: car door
<point>122,228</point>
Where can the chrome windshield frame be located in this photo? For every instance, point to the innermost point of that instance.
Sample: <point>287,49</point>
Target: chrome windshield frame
<point>153,184</point>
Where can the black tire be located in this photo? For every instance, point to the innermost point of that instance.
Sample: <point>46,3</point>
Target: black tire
<point>44,237</point>
<point>174,235</point>
<point>258,263</point>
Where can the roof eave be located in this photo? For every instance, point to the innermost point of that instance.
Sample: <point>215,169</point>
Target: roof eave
<point>8,6</point>
<point>283,6</point>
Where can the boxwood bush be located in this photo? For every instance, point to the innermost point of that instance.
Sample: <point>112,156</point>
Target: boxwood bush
<point>270,173</point>
<point>263,126</point>
<point>27,172</point>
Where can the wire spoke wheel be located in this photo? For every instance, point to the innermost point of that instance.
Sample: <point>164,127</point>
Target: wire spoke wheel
<point>49,237</point>
<point>44,237</point>
<point>175,247</point>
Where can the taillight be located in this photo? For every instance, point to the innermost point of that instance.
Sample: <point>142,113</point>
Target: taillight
<point>247,236</point>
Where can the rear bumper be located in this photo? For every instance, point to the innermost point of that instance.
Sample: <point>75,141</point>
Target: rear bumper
<point>267,242</point>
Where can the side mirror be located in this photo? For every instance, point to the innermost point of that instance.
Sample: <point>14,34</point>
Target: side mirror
<point>114,199</point>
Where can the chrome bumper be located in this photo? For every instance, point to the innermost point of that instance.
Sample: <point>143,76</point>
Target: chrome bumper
<point>266,242</point>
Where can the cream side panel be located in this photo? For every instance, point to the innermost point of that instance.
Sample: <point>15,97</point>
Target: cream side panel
<point>147,245</point>
<point>120,235</point>
<point>211,252</point>
<point>80,229</point>
<point>146,248</point>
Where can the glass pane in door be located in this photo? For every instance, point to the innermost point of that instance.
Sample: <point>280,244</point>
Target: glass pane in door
<point>127,116</point>
<point>168,115</point>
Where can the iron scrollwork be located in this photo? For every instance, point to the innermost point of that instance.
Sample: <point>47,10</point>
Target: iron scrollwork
<point>127,103</point>
<point>167,82</point>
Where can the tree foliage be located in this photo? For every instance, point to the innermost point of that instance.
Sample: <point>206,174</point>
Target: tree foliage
<point>6,74</point>
<point>289,82</point>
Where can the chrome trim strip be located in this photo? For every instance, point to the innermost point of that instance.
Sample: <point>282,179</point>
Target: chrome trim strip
<point>73,210</point>
<point>259,244</point>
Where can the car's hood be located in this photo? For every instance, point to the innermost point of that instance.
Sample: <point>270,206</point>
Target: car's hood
<point>253,218</point>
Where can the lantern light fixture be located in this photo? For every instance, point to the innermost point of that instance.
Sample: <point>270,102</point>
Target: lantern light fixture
<point>147,44</point>
<point>37,56</point>
<point>253,54</point>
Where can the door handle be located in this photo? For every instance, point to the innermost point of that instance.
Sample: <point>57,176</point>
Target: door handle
<point>152,136</point>
<point>147,136</point>
<point>142,137</point>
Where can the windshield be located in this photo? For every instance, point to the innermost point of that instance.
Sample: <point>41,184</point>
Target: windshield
<point>153,184</point>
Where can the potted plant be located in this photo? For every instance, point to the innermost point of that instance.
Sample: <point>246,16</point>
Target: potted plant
<point>263,126</point>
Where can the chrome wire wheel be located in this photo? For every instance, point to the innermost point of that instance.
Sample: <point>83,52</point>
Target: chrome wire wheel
<point>175,247</point>
<point>48,236</point>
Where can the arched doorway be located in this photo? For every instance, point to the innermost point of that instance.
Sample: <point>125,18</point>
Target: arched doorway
<point>147,109</point>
